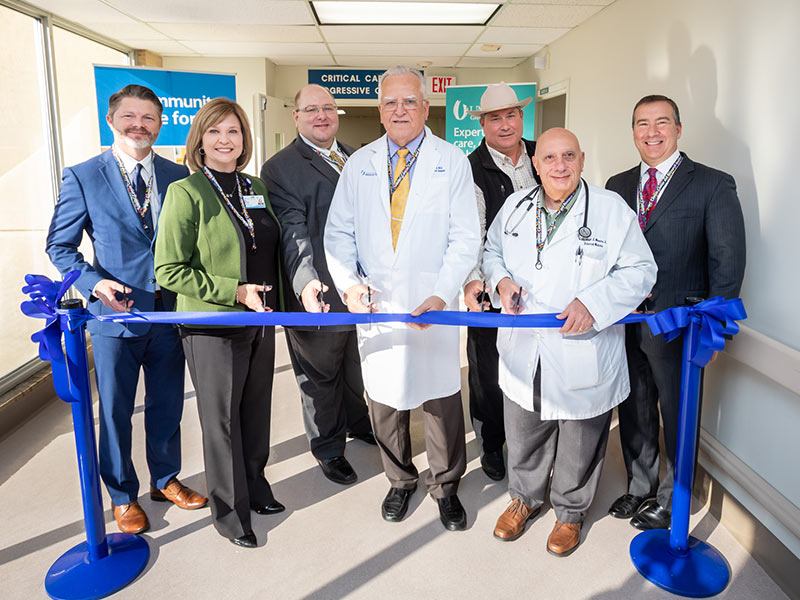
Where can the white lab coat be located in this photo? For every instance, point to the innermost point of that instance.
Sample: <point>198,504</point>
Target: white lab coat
<point>583,375</point>
<point>438,245</point>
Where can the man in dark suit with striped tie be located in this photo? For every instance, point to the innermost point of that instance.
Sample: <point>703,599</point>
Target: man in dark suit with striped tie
<point>301,180</point>
<point>692,220</point>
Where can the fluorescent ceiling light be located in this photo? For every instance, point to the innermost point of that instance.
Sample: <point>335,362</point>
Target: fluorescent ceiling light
<point>405,13</point>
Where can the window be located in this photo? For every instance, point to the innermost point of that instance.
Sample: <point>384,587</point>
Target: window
<point>28,154</point>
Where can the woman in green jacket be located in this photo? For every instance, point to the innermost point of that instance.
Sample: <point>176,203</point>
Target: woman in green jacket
<point>218,248</point>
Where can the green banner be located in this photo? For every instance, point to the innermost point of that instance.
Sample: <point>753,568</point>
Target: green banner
<point>464,130</point>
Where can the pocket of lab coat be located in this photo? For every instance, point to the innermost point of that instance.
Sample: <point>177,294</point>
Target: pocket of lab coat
<point>580,364</point>
<point>591,270</point>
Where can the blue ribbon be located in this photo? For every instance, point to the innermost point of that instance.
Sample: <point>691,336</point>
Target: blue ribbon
<point>45,295</point>
<point>292,319</point>
<point>716,317</point>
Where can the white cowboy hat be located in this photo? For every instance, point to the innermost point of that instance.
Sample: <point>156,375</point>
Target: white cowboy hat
<point>499,96</point>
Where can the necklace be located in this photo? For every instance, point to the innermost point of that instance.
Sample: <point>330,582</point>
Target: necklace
<point>540,241</point>
<point>244,216</point>
<point>395,183</point>
<point>141,209</point>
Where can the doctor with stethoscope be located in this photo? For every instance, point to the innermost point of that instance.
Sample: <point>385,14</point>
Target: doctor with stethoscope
<point>547,252</point>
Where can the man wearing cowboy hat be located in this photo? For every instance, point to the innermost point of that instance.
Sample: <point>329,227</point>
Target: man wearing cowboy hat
<point>501,165</point>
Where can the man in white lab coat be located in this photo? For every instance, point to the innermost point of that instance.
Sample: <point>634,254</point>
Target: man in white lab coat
<point>401,236</point>
<point>578,252</point>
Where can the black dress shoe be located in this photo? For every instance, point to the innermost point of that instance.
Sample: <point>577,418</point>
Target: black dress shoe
<point>268,509</point>
<point>395,504</point>
<point>626,506</point>
<point>452,514</point>
<point>493,465</point>
<point>338,470</point>
<point>248,540</point>
<point>368,437</point>
<point>651,516</point>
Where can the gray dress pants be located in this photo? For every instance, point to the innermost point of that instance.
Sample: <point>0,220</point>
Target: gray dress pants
<point>232,373</point>
<point>444,443</point>
<point>327,367</point>
<point>573,449</point>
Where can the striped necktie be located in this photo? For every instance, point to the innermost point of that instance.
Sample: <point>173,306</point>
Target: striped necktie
<point>337,159</point>
<point>648,202</point>
<point>400,195</point>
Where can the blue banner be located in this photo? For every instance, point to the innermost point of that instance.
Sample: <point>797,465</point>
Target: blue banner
<point>463,130</point>
<point>181,92</point>
<point>344,84</point>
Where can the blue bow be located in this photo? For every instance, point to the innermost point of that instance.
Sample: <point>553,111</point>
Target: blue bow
<point>45,295</point>
<point>716,317</point>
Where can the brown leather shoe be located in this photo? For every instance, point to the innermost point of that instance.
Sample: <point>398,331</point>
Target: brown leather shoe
<point>131,518</point>
<point>180,495</point>
<point>511,523</point>
<point>564,538</point>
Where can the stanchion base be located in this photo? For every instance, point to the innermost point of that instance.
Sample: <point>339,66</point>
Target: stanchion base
<point>701,573</point>
<point>73,577</point>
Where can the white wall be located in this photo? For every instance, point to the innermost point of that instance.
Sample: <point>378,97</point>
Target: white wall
<point>733,68</point>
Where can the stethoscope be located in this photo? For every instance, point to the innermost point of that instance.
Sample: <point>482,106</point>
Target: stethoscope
<point>584,232</point>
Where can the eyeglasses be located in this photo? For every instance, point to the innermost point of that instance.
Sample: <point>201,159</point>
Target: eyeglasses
<point>408,104</point>
<point>328,109</point>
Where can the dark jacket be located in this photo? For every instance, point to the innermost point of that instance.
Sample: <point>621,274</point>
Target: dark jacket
<point>495,185</point>
<point>696,233</point>
<point>301,185</point>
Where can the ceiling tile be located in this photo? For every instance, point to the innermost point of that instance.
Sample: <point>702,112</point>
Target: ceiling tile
<point>566,2</point>
<point>273,12</point>
<point>522,35</point>
<point>225,32</point>
<point>166,48</point>
<point>531,15</point>
<point>268,49</point>
<point>386,62</point>
<point>390,34</point>
<point>391,49</point>
<point>303,61</point>
<point>489,63</point>
<point>507,51</point>
<point>123,32</point>
<point>83,11</point>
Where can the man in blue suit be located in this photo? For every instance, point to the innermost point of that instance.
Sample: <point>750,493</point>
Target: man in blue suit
<point>116,199</point>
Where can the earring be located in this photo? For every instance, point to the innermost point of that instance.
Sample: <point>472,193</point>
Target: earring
<point>202,152</point>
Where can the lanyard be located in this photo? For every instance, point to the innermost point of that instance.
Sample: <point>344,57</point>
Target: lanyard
<point>563,209</point>
<point>394,184</point>
<point>244,216</point>
<point>645,211</point>
<point>327,158</point>
<point>141,209</point>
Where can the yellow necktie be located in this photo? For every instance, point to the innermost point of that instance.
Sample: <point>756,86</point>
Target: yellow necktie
<point>400,196</point>
<point>337,159</point>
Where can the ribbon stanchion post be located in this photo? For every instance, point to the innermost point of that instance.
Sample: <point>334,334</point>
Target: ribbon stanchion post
<point>672,559</point>
<point>103,564</point>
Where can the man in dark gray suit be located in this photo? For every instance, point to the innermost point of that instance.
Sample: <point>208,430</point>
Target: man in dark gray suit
<point>692,220</point>
<point>301,180</point>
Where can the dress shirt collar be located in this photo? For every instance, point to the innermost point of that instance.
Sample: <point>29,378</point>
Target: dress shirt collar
<point>663,168</point>
<point>412,145</point>
<point>500,159</point>
<point>324,151</point>
<point>130,163</point>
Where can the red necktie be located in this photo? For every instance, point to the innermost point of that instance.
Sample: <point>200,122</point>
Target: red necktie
<point>648,191</point>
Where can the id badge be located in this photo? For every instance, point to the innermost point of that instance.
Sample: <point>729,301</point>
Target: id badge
<point>254,201</point>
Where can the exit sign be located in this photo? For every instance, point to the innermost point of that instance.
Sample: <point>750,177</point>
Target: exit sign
<point>438,84</point>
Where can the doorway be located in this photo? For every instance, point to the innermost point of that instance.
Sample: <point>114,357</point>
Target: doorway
<point>360,125</point>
